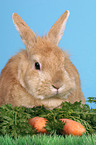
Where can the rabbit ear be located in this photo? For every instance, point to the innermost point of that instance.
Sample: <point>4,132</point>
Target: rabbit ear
<point>56,31</point>
<point>27,35</point>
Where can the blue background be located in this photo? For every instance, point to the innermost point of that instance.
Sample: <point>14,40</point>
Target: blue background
<point>79,38</point>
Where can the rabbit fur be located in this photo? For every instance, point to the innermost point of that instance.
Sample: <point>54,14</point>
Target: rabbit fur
<point>42,74</point>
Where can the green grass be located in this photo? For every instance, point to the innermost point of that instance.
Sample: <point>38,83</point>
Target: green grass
<point>15,130</point>
<point>49,140</point>
<point>14,120</point>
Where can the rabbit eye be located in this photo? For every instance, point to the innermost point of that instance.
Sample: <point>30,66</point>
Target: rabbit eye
<point>37,66</point>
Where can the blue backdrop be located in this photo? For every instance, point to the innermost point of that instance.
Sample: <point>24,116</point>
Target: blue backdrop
<point>79,37</point>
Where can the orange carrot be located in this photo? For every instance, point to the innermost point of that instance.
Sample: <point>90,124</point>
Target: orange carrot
<point>38,123</point>
<point>72,127</point>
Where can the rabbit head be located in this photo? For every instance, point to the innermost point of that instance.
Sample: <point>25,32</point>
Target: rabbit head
<point>43,72</point>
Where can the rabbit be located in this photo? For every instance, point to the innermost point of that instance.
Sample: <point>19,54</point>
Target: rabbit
<point>43,73</point>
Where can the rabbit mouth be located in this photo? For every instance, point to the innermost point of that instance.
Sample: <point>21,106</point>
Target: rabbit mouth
<point>55,94</point>
<point>60,93</point>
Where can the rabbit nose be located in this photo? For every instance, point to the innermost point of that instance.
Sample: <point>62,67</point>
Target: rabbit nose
<point>57,80</point>
<point>57,85</point>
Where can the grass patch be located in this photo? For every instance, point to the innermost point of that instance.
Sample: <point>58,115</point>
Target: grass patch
<point>15,130</point>
<point>14,120</point>
<point>49,140</point>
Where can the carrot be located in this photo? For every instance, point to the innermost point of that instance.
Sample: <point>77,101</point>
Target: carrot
<point>38,123</point>
<point>72,127</point>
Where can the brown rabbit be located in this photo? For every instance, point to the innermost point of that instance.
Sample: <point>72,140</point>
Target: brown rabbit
<point>41,74</point>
